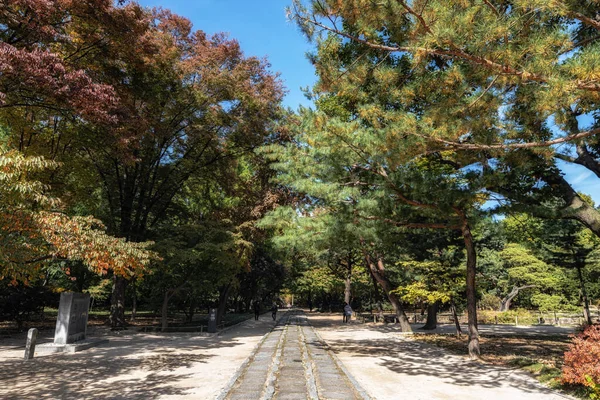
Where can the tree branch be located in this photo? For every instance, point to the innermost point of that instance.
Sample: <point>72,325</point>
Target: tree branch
<point>416,225</point>
<point>456,52</point>
<point>548,143</point>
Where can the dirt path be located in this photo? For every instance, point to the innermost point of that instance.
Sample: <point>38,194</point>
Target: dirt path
<point>388,365</point>
<point>134,365</point>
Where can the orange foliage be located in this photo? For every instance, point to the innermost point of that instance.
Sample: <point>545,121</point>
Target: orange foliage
<point>582,361</point>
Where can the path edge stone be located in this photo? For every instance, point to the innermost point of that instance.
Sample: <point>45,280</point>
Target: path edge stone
<point>225,391</point>
<point>231,383</point>
<point>359,389</point>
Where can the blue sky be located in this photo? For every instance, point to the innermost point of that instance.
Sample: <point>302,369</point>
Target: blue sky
<point>262,30</point>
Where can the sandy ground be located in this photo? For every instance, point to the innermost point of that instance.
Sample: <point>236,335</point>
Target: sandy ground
<point>389,365</point>
<point>132,365</point>
<point>137,365</point>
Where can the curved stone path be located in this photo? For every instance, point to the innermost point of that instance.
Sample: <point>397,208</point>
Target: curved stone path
<point>292,363</point>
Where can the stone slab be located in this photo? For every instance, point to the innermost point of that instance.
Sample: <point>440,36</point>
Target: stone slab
<point>71,322</point>
<point>49,348</point>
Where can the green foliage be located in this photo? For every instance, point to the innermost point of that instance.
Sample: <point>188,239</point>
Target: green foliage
<point>418,293</point>
<point>525,317</point>
<point>489,301</point>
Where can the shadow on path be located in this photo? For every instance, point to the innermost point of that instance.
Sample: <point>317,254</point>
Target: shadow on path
<point>410,359</point>
<point>131,366</point>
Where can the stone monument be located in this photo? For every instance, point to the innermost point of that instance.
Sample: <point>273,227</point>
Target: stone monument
<point>71,325</point>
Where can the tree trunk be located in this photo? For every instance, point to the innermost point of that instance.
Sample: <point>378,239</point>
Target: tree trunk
<point>223,295</point>
<point>505,302</point>
<point>456,321</point>
<point>432,310</point>
<point>474,351</point>
<point>378,298</point>
<point>378,271</point>
<point>348,282</point>
<point>575,207</point>
<point>191,309</point>
<point>117,303</point>
<point>134,305</point>
<point>586,304</point>
<point>164,317</point>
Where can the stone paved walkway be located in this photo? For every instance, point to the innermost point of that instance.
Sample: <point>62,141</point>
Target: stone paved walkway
<point>293,363</point>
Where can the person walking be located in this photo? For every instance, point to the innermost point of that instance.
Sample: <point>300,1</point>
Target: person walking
<point>347,312</point>
<point>256,310</point>
<point>274,311</point>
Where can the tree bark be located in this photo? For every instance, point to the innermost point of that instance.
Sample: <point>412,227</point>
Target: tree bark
<point>584,297</point>
<point>348,282</point>
<point>456,321</point>
<point>164,317</point>
<point>191,309</point>
<point>378,271</point>
<point>134,305</point>
<point>378,297</point>
<point>505,302</point>
<point>474,351</point>
<point>117,304</point>
<point>223,295</point>
<point>575,207</point>
<point>432,310</point>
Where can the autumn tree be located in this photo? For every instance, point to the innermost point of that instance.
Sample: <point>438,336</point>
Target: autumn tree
<point>36,80</point>
<point>35,231</point>
<point>188,105</point>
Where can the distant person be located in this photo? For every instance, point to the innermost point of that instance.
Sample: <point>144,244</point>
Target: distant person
<point>274,311</point>
<point>347,312</point>
<point>256,310</point>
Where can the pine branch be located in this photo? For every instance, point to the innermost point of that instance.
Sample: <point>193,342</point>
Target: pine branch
<point>585,19</point>
<point>454,53</point>
<point>528,145</point>
<point>414,225</point>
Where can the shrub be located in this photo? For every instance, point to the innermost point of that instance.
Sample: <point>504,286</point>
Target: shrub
<point>525,317</point>
<point>489,301</point>
<point>582,361</point>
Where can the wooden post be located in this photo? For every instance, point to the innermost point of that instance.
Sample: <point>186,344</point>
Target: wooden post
<point>516,320</point>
